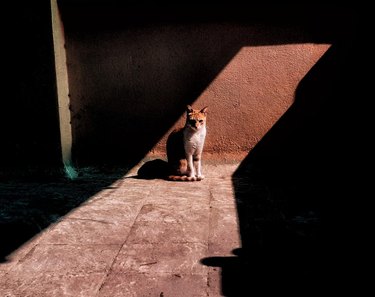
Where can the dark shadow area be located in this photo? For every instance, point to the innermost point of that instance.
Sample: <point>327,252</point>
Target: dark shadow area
<point>29,205</point>
<point>29,121</point>
<point>154,169</point>
<point>114,14</point>
<point>301,192</point>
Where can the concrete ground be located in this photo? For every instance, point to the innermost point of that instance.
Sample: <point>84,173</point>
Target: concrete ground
<point>134,237</point>
<point>113,234</point>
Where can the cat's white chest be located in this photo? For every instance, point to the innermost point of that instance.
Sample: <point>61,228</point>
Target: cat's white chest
<point>194,141</point>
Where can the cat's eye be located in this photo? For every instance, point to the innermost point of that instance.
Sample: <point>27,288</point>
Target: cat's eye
<point>201,121</point>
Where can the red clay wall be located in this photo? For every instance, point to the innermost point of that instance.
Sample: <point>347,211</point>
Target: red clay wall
<point>130,82</point>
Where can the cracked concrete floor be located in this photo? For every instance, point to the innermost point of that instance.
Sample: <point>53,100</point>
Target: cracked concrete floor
<point>131,237</point>
<point>111,233</point>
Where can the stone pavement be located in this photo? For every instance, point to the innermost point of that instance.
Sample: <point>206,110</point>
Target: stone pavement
<point>237,233</point>
<point>134,237</point>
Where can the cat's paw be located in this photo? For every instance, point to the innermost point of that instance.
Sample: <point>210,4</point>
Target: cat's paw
<point>200,177</point>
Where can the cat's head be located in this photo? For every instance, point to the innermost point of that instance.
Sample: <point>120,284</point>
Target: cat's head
<point>196,118</point>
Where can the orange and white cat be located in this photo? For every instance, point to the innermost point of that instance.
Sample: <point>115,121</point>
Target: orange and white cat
<point>185,147</point>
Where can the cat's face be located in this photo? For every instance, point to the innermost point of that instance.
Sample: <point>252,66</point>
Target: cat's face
<point>196,118</point>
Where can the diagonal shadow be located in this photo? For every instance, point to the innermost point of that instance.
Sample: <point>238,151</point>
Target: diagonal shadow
<point>294,191</point>
<point>31,204</point>
<point>149,65</point>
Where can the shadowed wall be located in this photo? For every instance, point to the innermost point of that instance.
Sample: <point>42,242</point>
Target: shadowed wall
<point>30,140</point>
<point>132,71</point>
<point>131,75</point>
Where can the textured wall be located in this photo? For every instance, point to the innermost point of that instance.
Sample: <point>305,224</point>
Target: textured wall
<point>130,81</point>
<point>252,91</point>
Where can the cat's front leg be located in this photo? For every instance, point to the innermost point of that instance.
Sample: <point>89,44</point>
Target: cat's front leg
<point>190,166</point>
<point>198,168</point>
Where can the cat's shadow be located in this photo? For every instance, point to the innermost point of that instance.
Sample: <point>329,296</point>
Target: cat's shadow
<point>154,169</point>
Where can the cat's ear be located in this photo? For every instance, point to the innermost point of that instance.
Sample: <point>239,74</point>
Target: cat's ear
<point>204,109</point>
<point>189,109</point>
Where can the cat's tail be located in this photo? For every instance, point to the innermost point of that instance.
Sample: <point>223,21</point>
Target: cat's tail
<point>183,178</point>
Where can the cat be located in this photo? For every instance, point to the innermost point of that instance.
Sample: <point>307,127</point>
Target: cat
<point>185,147</point>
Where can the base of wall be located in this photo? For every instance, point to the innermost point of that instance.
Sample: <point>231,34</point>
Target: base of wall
<point>208,157</point>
